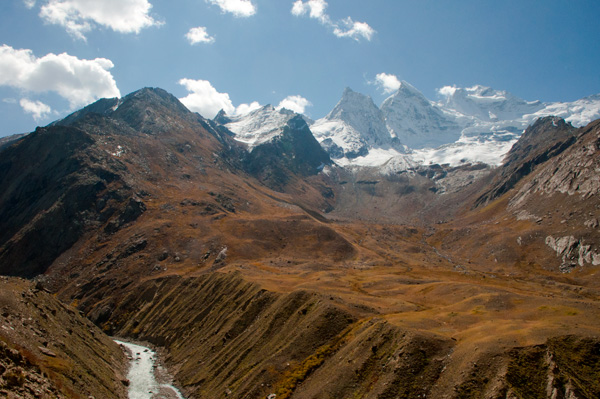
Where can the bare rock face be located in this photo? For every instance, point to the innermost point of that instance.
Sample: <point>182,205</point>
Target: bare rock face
<point>574,172</point>
<point>573,252</point>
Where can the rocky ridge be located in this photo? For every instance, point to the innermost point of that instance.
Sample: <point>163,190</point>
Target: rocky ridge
<point>546,138</point>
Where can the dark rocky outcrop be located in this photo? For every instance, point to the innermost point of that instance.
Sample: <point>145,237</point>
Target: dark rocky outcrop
<point>222,118</point>
<point>294,152</point>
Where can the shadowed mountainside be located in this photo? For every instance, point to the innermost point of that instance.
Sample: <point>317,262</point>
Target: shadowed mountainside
<point>545,139</point>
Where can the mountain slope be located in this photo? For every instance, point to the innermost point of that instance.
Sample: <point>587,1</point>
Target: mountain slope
<point>57,177</point>
<point>539,210</point>
<point>572,178</point>
<point>48,350</point>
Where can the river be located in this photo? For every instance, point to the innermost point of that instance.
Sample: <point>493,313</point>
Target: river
<point>142,376</point>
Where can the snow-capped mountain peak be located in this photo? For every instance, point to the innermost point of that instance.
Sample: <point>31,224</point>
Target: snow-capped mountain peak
<point>473,124</point>
<point>406,90</point>
<point>258,126</point>
<point>486,103</point>
<point>416,121</point>
<point>351,103</point>
<point>354,126</point>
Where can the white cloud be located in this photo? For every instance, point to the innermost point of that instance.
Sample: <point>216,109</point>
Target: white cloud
<point>239,8</point>
<point>79,81</point>
<point>29,3</point>
<point>199,35</point>
<point>297,104</point>
<point>80,16</point>
<point>37,109</point>
<point>387,83</point>
<point>447,91</point>
<point>9,100</point>
<point>354,30</point>
<point>246,108</point>
<point>315,9</point>
<point>207,101</point>
<point>343,28</point>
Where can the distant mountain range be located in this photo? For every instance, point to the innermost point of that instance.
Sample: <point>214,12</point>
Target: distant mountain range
<point>476,124</point>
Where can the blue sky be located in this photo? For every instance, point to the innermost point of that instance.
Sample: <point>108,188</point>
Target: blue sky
<point>58,55</point>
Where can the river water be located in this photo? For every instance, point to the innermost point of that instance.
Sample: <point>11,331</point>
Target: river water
<point>142,375</point>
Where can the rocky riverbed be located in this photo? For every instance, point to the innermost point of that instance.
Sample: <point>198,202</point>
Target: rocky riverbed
<point>146,381</point>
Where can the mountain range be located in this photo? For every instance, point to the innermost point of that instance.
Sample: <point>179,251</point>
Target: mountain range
<point>476,124</point>
<point>379,252</point>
